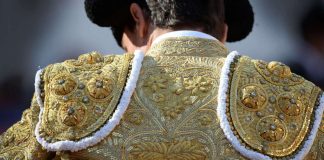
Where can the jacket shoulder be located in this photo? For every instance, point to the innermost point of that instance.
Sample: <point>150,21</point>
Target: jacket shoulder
<point>268,111</point>
<point>79,96</point>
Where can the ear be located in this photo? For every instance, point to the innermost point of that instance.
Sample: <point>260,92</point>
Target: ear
<point>225,31</point>
<point>141,25</point>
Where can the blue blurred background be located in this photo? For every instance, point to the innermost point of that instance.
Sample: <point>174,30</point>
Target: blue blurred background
<point>37,32</point>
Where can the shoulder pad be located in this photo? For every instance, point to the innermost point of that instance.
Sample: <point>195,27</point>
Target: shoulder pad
<point>266,111</point>
<point>79,96</point>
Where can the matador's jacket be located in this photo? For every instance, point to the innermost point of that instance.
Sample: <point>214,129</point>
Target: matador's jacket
<point>186,99</point>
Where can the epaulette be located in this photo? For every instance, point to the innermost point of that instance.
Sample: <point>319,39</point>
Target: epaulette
<point>266,111</point>
<point>83,100</point>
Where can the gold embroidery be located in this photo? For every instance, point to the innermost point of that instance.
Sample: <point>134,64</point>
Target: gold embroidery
<point>290,105</point>
<point>317,150</point>
<point>266,98</point>
<point>279,69</point>
<point>156,82</point>
<point>100,88</point>
<point>18,141</point>
<point>172,113</point>
<point>82,95</point>
<point>63,84</point>
<point>253,97</point>
<point>198,84</point>
<point>271,129</point>
<point>72,113</point>
<point>173,105</point>
<point>91,58</point>
<point>134,117</point>
<point>277,73</point>
<point>188,46</point>
<point>184,150</point>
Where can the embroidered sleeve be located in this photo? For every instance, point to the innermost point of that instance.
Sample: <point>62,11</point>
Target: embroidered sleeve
<point>19,141</point>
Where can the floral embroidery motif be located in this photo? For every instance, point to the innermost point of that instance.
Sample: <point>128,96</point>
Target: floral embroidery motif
<point>134,118</point>
<point>72,114</point>
<point>205,120</point>
<point>184,150</point>
<point>181,92</point>
<point>289,105</point>
<point>271,129</point>
<point>198,85</point>
<point>91,58</point>
<point>253,97</point>
<point>177,87</point>
<point>63,85</point>
<point>158,97</point>
<point>156,82</point>
<point>100,88</point>
<point>173,110</point>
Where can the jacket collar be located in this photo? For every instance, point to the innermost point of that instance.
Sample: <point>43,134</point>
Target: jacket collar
<point>187,43</point>
<point>183,33</point>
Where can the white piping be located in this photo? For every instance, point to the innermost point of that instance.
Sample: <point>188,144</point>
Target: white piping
<point>37,88</point>
<point>221,111</point>
<point>108,127</point>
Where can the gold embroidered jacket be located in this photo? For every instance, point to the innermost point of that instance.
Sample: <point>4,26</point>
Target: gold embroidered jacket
<point>192,102</point>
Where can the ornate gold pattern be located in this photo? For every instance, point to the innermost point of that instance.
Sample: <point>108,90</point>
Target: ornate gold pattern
<point>271,129</point>
<point>277,73</point>
<point>63,84</point>
<point>18,142</point>
<point>189,46</point>
<point>72,113</point>
<point>184,150</point>
<point>266,98</point>
<point>100,88</point>
<point>279,69</point>
<point>91,58</point>
<point>198,84</point>
<point>317,150</point>
<point>80,99</point>
<point>172,113</point>
<point>290,105</point>
<point>253,97</point>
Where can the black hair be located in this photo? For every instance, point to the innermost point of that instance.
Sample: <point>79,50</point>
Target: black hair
<point>312,24</point>
<point>114,14</point>
<point>175,14</point>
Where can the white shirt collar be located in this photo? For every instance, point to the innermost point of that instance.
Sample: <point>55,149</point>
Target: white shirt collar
<point>183,33</point>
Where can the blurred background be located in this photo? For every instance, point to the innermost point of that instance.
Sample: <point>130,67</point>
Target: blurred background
<point>36,33</point>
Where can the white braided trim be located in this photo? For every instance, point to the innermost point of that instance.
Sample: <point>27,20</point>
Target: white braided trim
<point>37,88</point>
<point>312,135</point>
<point>224,123</point>
<point>221,112</point>
<point>108,127</point>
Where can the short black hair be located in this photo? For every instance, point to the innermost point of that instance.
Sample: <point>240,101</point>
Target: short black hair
<point>114,14</point>
<point>177,14</point>
<point>172,14</point>
<point>312,25</point>
<point>209,15</point>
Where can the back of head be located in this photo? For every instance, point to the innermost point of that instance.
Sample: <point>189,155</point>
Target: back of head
<point>207,15</point>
